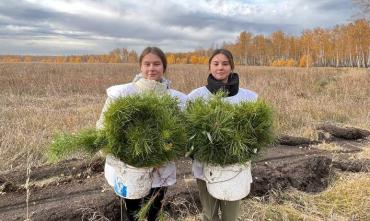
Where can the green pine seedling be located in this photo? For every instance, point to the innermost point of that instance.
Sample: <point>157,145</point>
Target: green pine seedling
<point>145,130</point>
<point>142,130</point>
<point>64,144</point>
<point>222,133</point>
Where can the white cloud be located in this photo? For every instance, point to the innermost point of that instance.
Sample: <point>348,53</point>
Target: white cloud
<point>86,8</point>
<point>18,28</point>
<point>97,26</point>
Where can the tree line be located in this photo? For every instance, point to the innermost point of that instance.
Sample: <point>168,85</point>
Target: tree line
<point>342,46</point>
<point>115,56</point>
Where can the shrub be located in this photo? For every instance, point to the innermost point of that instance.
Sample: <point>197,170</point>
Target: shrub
<point>284,63</point>
<point>306,61</point>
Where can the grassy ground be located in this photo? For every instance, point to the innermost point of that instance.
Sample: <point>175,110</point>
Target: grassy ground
<point>38,100</point>
<point>346,199</point>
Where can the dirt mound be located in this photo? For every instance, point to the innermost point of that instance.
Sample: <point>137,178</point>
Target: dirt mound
<point>77,190</point>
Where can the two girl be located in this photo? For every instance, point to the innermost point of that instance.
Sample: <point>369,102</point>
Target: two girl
<point>153,65</point>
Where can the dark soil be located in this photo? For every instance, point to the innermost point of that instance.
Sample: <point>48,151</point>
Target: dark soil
<point>77,190</point>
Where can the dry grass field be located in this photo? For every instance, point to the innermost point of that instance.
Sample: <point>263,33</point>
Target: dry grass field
<point>39,100</point>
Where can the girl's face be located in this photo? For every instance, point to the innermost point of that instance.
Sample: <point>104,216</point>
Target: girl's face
<point>152,67</point>
<point>220,67</point>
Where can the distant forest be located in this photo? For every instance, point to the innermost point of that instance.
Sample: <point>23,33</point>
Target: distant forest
<point>342,46</point>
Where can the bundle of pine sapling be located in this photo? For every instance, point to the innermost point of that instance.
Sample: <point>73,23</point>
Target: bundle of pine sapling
<point>221,133</point>
<point>145,130</point>
<point>142,130</point>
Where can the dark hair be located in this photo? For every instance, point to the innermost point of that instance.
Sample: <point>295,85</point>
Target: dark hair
<point>156,51</point>
<point>225,52</point>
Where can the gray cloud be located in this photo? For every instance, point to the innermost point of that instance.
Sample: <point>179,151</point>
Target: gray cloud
<point>26,26</point>
<point>338,5</point>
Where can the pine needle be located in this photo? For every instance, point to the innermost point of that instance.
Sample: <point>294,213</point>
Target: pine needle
<point>145,130</point>
<point>64,144</point>
<point>143,212</point>
<point>223,133</point>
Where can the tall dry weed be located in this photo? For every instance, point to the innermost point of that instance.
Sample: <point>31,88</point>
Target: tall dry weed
<point>346,199</point>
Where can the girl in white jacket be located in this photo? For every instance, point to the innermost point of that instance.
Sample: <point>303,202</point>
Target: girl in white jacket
<point>221,66</point>
<point>153,65</point>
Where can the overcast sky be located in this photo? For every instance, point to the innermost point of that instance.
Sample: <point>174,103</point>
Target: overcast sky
<point>63,27</point>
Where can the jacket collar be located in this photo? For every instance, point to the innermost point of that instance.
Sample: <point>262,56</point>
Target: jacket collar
<point>231,87</point>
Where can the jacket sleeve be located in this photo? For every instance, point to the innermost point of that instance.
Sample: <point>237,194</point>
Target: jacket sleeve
<point>183,100</point>
<point>100,122</point>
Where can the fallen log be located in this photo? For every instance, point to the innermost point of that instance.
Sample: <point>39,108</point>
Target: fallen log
<point>296,141</point>
<point>348,133</point>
